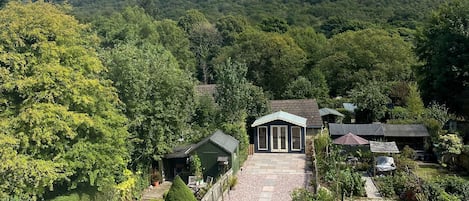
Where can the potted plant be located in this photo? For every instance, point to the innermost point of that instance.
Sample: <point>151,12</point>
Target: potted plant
<point>156,178</point>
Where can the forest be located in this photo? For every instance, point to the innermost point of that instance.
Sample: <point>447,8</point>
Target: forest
<point>92,92</point>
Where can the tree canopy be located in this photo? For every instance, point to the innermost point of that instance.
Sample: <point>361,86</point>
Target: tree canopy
<point>443,46</point>
<point>59,121</point>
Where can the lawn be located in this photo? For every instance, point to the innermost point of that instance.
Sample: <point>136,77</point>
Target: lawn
<point>427,172</point>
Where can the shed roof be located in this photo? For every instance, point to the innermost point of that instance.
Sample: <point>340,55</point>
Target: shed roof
<point>357,129</point>
<point>306,108</point>
<point>280,115</point>
<point>328,111</point>
<point>224,141</point>
<point>383,147</point>
<point>405,130</point>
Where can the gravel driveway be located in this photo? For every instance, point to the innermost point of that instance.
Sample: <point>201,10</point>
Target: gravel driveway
<point>270,177</point>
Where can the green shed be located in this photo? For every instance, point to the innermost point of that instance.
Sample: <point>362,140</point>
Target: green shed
<point>217,152</point>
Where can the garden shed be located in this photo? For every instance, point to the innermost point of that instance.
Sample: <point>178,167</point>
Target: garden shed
<point>280,132</point>
<point>217,152</point>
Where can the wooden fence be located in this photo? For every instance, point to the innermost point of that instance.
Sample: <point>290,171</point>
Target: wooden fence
<point>217,191</point>
<point>251,149</point>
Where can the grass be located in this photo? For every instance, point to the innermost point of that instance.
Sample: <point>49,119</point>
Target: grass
<point>427,172</point>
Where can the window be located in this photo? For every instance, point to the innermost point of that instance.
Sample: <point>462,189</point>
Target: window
<point>295,138</point>
<point>262,138</point>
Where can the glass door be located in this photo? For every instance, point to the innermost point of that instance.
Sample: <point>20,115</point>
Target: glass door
<point>279,140</point>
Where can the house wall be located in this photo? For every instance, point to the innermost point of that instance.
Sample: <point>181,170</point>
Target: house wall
<point>269,144</point>
<point>208,154</point>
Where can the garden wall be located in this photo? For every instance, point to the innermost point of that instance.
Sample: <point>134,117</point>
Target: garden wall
<point>217,191</point>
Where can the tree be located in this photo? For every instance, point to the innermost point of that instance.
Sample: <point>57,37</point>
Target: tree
<point>158,97</point>
<point>279,62</point>
<point>59,121</point>
<point>371,100</point>
<point>301,88</point>
<point>443,47</point>
<point>274,24</point>
<point>132,24</point>
<point>312,43</point>
<point>230,27</point>
<point>232,91</point>
<point>179,191</point>
<point>414,102</point>
<point>205,42</point>
<point>177,42</point>
<point>191,18</point>
<point>449,145</point>
<point>354,58</point>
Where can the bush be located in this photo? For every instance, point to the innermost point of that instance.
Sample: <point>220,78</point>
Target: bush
<point>351,182</point>
<point>179,191</point>
<point>301,194</point>
<point>385,186</point>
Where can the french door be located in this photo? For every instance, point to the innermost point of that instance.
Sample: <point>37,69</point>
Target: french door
<point>278,139</point>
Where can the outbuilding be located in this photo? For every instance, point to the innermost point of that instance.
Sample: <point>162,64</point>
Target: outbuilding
<point>280,132</point>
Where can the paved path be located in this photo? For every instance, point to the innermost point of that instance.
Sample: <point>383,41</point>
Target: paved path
<point>270,177</point>
<point>370,188</point>
<point>152,193</point>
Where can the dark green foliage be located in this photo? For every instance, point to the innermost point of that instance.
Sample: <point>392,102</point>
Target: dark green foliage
<point>447,188</point>
<point>443,46</point>
<point>273,68</point>
<point>301,194</point>
<point>371,101</point>
<point>274,24</point>
<point>230,27</point>
<point>351,183</point>
<point>158,97</point>
<point>179,191</point>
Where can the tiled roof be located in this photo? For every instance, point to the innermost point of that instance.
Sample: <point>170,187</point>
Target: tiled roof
<point>387,130</point>
<point>405,130</point>
<point>280,115</point>
<point>357,129</point>
<point>306,108</point>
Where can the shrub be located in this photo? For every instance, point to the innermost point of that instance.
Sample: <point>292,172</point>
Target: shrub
<point>179,191</point>
<point>351,182</point>
<point>301,194</point>
<point>385,185</point>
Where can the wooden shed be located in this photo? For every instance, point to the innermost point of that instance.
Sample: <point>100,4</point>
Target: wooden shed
<point>217,152</point>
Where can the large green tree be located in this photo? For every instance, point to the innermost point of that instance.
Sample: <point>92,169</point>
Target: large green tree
<point>59,122</point>
<point>158,97</point>
<point>273,60</point>
<point>443,45</point>
<point>354,57</point>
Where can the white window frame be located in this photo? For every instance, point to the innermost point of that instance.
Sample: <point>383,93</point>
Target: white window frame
<point>266,138</point>
<point>291,138</point>
<point>279,149</point>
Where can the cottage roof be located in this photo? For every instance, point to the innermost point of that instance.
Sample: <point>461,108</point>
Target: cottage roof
<point>357,129</point>
<point>405,130</point>
<point>224,141</point>
<point>281,115</point>
<point>306,108</point>
<point>383,147</point>
<point>328,111</point>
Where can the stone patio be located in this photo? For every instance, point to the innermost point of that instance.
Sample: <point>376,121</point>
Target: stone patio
<point>270,177</point>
